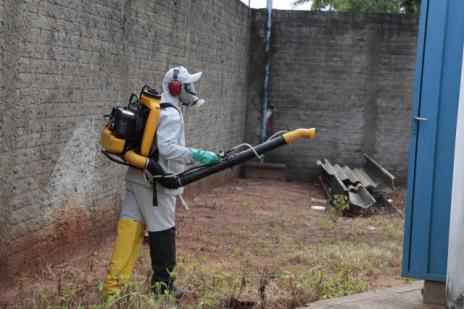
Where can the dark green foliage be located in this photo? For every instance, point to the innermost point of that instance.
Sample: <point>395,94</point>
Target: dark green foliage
<point>384,6</point>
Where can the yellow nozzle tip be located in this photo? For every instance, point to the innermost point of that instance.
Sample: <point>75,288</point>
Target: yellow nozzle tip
<point>291,136</point>
<point>312,133</point>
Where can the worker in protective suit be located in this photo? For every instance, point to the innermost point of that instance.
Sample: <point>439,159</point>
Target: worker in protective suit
<point>138,211</point>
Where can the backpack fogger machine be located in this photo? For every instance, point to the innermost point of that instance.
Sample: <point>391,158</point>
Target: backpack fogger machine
<point>130,131</point>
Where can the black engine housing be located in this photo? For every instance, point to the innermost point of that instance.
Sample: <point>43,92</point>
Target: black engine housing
<point>123,122</point>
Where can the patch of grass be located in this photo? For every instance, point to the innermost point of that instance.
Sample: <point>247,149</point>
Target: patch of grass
<point>278,254</point>
<point>302,275</point>
<point>328,223</point>
<point>408,280</point>
<point>297,275</point>
<point>133,295</point>
<point>391,228</point>
<point>213,281</point>
<point>302,286</point>
<point>70,287</point>
<point>343,283</point>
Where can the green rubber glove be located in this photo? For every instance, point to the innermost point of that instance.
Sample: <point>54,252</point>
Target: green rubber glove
<point>203,156</point>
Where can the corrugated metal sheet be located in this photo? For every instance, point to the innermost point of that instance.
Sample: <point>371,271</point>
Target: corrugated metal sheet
<point>342,180</point>
<point>359,184</point>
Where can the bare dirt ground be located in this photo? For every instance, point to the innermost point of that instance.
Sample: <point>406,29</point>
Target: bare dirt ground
<point>252,240</point>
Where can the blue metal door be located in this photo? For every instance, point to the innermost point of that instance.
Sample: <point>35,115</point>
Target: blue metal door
<point>438,71</point>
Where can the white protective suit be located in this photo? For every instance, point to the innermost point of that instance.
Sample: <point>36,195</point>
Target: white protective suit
<point>138,212</point>
<point>173,157</point>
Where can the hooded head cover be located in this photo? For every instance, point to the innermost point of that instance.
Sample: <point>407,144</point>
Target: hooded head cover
<point>187,95</point>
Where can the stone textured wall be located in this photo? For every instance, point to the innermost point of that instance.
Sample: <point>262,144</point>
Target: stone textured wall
<point>349,75</point>
<point>64,64</point>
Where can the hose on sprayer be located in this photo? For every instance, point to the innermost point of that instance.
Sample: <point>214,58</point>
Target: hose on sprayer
<point>230,159</point>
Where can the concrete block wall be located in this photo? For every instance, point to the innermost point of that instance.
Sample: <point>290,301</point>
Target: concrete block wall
<point>350,75</point>
<point>63,65</point>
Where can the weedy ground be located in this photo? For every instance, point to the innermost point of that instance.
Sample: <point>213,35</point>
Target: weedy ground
<point>252,240</point>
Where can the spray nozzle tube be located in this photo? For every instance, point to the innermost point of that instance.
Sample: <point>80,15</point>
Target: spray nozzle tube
<point>230,160</point>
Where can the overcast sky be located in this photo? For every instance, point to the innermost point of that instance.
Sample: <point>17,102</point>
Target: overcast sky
<point>277,4</point>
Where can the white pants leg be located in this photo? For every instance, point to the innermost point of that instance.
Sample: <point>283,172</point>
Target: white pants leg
<point>130,209</point>
<point>139,204</point>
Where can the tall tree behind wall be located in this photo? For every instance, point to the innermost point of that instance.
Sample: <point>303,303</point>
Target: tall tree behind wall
<point>386,6</point>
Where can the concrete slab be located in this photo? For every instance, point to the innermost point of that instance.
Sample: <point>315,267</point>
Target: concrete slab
<point>402,297</point>
<point>434,292</point>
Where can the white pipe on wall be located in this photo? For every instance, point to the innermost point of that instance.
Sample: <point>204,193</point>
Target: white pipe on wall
<point>455,273</point>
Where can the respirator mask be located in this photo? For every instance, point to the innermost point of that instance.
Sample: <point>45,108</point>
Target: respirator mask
<point>188,97</point>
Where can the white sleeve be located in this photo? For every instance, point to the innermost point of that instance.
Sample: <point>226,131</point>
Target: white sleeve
<point>169,128</point>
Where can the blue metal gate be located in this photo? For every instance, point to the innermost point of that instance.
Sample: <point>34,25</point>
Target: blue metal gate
<point>431,154</point>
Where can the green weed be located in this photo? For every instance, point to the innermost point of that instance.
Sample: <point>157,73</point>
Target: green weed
<point>340,202</point>
<point>343,283</point>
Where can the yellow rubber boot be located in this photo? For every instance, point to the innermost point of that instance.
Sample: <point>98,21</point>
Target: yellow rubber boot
<point>126,248</point>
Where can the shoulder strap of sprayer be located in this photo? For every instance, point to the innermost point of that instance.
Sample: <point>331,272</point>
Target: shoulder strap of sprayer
<point>154,153</point>
<point>166,105</point>
<point>154,150</point>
